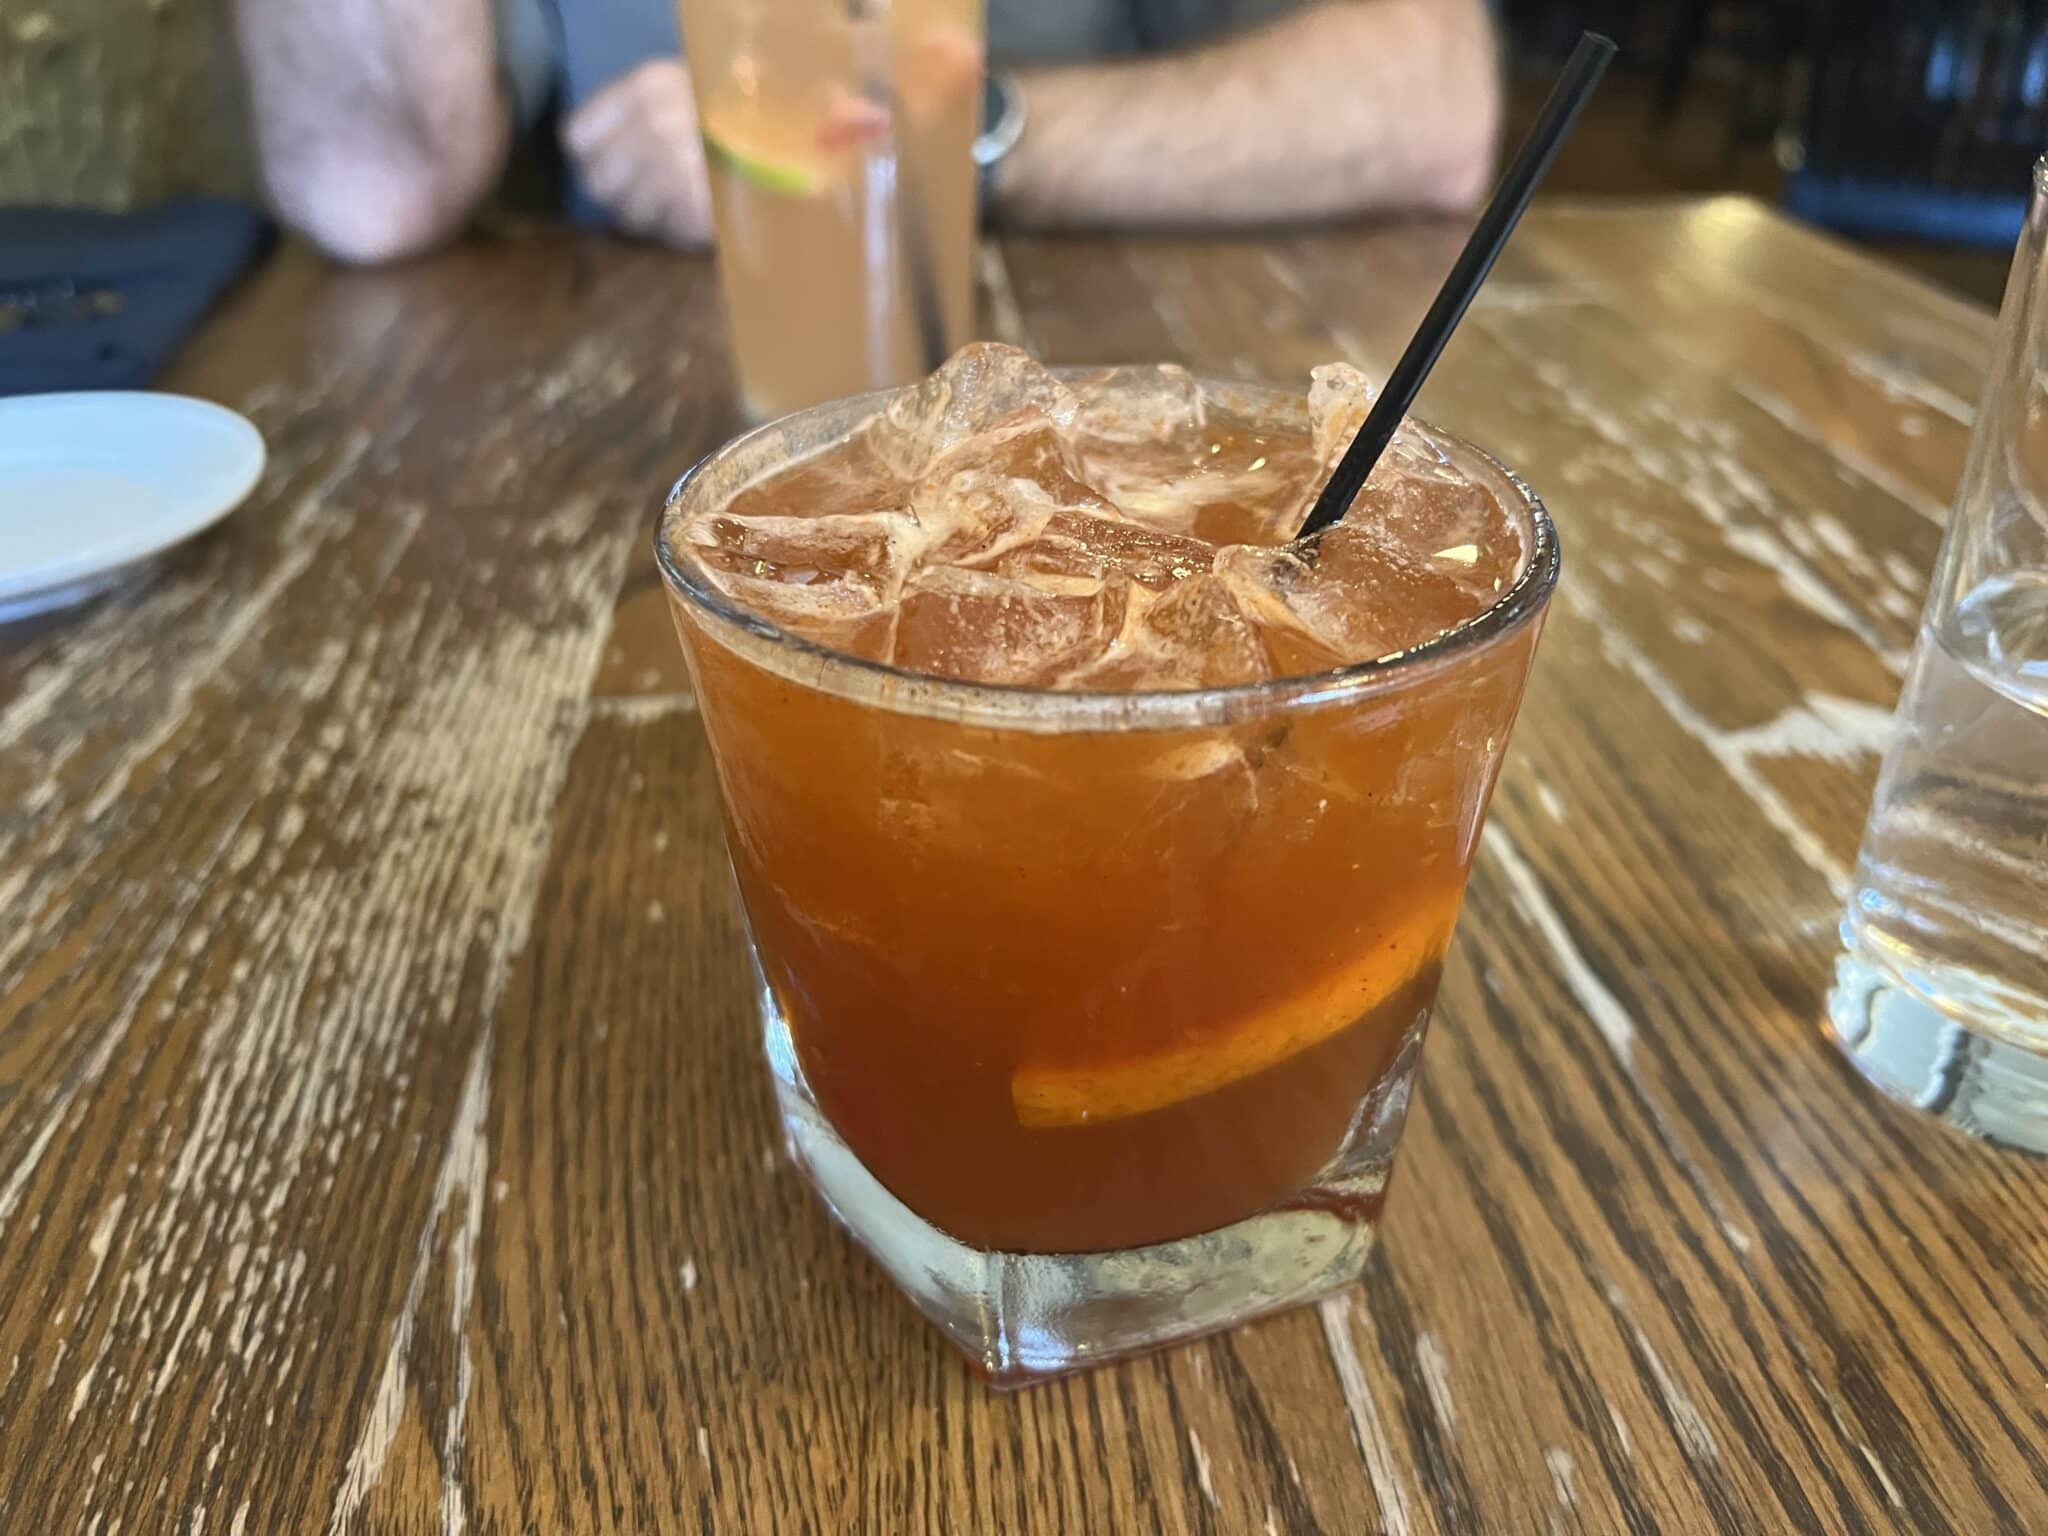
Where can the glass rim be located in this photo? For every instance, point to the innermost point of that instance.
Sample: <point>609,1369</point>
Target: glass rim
<point>1022,705</point>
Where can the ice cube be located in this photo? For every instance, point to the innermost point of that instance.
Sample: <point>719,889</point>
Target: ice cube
<point>1361,592</point>
<point>990,494</point>
<point>1415,454</point>
<point>1429,517</point>
<point>993,524</point>
<point>851,478</point>
<point>1157,404</point>
<point>1304,623</point>
<point>1076,543</point>
<point>977,389</point>
<point>1413,461</point>
<point>1168,456</point>
<point>990,628</point>
<point>1203,637</point>
<point>831,578</point>
<point>1339,397</point>
<point>1192,636</point>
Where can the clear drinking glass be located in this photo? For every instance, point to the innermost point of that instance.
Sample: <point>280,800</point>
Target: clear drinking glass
<point>1941,993</point>
<point>839,139</point>
<point>1093,1016</point>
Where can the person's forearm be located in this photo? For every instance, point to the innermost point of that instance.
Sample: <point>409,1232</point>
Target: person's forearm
<point>1336,108</point>
<point>381,124</point>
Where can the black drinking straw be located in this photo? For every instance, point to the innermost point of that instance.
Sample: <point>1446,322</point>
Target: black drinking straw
<point>1581,73</point>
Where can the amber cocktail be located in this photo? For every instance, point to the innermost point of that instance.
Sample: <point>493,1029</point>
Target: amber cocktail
<point>1100,849</point>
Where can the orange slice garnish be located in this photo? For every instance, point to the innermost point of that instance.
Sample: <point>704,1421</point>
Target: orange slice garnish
<point>1047,1096</point>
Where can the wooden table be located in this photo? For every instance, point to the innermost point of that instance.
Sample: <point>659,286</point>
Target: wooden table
<point>383,1143</point>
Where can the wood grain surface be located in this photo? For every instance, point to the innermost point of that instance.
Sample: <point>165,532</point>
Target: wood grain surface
<point>383,1140</point>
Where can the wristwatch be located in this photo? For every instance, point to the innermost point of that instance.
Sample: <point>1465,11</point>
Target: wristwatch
<point>1002,125</point>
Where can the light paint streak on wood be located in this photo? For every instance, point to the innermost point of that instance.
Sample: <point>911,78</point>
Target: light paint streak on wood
<point>1812,852</point>
<point>1964,331</point>
<point>470,1154</point>
<point>1686,1419</point>
<point>1857,463</point>
<point>1521,298</point>
<point>1559,1461</point>
<point>522,865</point>
<point>1770,541</point>
<point>1848,1430</point>
<point>1841,543</point>
<point>1888,377</point>
<point>1892,378</point>
<point>1834,730</point>
<point>1904,573</point>
<point>1699,477</point>
<point>300,549</point>
<point>1287,277</point>
<point>1202,1474</point>
<point>1620,1428</point>
<point>1615,1024</point>
<point>1647,210</point>
<point>1526,891</point>
<point>1904,383</point>
<point>641,708</point>
<point>1884,1478</point>
<point>1366,1428</point>
<point>1436,1381</point>
<point>105,665</point>
<point>78,1087</point>
<point>463,1166</point>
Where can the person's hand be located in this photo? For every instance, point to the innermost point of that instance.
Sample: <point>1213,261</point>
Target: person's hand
<point>636,148</point>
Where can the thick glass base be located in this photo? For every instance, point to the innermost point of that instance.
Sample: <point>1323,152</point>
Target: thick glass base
<point>1933,1058</point>
<point>1022,1317</point>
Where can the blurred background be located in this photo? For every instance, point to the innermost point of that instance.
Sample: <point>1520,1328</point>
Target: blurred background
<point>1908,125</point>
<point>1905,124</point>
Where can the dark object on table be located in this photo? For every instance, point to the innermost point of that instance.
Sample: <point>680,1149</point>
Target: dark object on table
<point>1923,120</point>
<point>93,300</point>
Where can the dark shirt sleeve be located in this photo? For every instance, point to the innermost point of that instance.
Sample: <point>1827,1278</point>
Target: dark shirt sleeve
<point>1166,24</point>
<point>529,58</point>
<point>603,39</point>
<point>1070,31</point>
<point>565,51</point>
<point>556,54</point>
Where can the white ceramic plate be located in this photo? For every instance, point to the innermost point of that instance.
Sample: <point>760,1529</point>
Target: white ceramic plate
<point>93,483</point>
